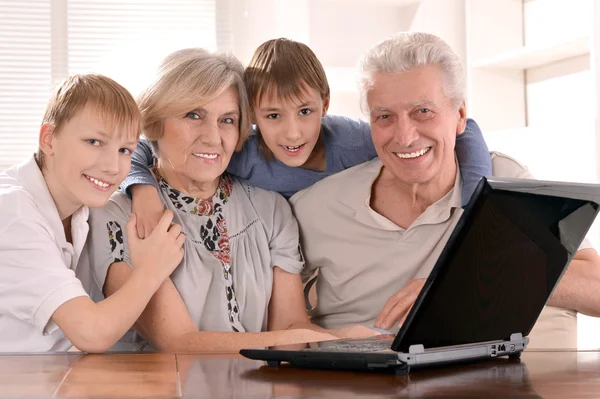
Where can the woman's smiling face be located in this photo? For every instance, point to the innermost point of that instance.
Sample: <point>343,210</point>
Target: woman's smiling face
<point>198,145</point>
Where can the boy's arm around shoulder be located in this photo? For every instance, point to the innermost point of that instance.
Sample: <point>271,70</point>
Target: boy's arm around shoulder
<point>141,162</point>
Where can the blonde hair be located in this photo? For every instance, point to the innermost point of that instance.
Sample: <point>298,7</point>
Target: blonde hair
<point>112,101</point>
<point>283,67</point>
<point>188,79</point>
<point>409,50</point>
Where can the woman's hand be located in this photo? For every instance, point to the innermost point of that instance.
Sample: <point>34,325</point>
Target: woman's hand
<point>354,332</point>
<point>159,253</point>
<point>298,338</point>
<point>306,335</point>
<point>146,204</point>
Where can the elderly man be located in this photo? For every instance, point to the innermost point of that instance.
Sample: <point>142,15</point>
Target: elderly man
<point>375,231</point>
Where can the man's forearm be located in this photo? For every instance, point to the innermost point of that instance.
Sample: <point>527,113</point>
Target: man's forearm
<point>579,288</point>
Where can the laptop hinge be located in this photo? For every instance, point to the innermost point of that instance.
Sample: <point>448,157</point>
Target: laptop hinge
<point>516,336</point>
<point>414,349</point>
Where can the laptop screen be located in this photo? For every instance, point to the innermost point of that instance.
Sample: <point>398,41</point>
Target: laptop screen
<point>498,268</point>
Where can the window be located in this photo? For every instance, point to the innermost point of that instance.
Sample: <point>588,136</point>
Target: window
<point>43,41</point>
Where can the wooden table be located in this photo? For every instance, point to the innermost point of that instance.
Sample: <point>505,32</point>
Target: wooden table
<point>565,374</point>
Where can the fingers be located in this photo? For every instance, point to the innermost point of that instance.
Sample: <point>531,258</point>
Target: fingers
<point>141,230</point>
<point>174,230</point>
<point>399,304</point>
<point>165,221</point>
<point>403,319</point>
<point>387,308</point>
<point>180,239</point>
<point>389,319</point>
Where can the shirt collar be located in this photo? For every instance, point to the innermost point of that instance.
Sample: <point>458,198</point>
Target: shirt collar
<point>30,175</point>
<point>357,197</point>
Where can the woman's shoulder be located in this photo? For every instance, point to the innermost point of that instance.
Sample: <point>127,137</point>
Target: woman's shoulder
<point>118,206</point>
<point>259,213</point>
<point>255,203</point>
<point>255,195</point>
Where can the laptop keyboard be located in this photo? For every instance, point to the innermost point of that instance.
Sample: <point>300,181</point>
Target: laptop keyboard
<point>354,346</point>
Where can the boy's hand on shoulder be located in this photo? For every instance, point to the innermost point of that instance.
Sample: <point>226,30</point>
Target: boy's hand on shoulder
<point>162,251</point>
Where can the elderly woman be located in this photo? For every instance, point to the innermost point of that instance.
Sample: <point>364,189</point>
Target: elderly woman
<point>238,285</point>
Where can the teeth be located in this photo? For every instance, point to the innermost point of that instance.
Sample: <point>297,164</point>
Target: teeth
<point>292,149</point>
<point>413,154</point>
<point>98,182</point>
<point>207,156</point>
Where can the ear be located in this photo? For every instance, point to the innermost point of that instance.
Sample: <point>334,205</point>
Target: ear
<point>325,106</point>
<point>46,141</point>
<point>462,118</point>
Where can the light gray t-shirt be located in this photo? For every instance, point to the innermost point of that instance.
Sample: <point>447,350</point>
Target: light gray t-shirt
<point>363,258</point>
<point>221,293</point>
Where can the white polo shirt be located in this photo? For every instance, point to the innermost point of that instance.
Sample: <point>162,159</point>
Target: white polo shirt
<point>37,264</point>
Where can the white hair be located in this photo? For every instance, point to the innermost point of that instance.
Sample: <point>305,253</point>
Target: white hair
<point>409,50</point>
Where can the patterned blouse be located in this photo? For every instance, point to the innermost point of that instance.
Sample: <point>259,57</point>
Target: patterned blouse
<point>232,243</point>
<point>213,233</point>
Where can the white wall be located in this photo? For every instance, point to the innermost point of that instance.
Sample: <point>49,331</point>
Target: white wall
<point>339,31</point>
<point>560,143</point>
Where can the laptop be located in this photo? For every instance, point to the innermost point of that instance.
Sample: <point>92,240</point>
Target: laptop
<point>498,269</point>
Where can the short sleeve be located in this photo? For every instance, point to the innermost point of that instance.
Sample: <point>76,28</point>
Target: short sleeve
<point>107,240</point>
<point>282,230</point>
<point>34,279</point>
<point>141,161</point>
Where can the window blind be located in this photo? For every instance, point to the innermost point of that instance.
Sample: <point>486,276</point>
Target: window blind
<point>127,39</point>
<point>25,76</point>
<point>44,41</point>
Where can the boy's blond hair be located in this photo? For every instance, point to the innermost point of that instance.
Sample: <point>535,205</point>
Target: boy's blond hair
<point>188,79</point>
<point>112,101</point>
<point>284,68</point>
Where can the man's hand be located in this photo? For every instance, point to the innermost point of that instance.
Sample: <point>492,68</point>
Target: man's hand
<point>148,207</point>
<point>398,306</point>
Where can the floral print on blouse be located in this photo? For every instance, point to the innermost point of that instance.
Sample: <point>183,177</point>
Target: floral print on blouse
<point>213,233</point>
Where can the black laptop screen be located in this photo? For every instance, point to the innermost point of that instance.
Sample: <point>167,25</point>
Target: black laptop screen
<point>496,272</point>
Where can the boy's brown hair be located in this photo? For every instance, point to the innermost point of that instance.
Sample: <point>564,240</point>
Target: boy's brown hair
<point>113,102</point>
<point>284,68</point>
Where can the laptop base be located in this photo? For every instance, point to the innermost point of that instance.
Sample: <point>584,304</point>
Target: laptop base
<point>375,362</point>
<point>321,356</point>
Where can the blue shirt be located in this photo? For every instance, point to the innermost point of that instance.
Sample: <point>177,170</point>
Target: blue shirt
<point>347,143</point>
